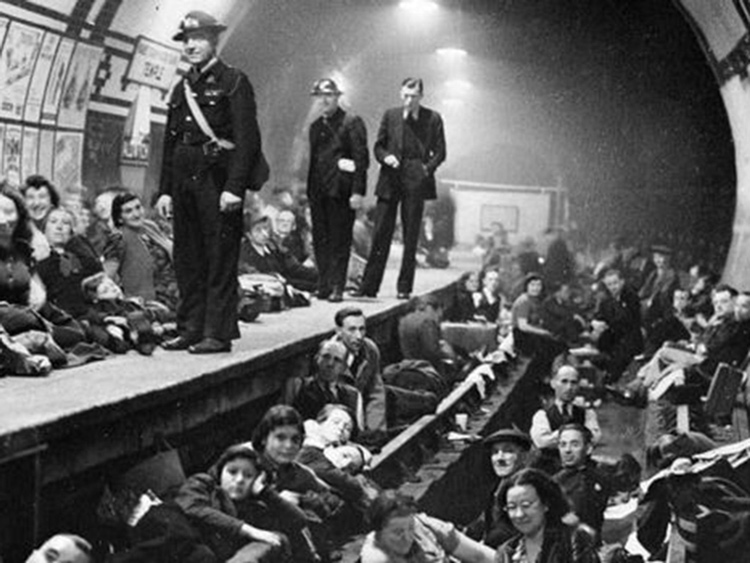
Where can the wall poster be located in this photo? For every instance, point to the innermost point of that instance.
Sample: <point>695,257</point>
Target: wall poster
<point>30,152</point>
<point>46,152</point>
<point>39,81</point>
<point>3,29</point>
<point>16,66</point>
<point>2,149</point>
<point>74,101</point>
<point>68,157</point>
<point>12,154</point>
<point>57,80</point>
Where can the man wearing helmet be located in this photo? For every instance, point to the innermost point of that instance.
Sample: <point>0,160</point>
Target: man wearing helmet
<point>211,145</point>
<point>336,183</point>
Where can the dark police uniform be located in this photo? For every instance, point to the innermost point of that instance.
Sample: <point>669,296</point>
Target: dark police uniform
<point>195,172</point>
<point>329,189</point>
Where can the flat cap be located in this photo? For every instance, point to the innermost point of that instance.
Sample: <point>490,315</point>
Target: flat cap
<point>195,21</point>
<point>662,249</point>
<point>513,435</point>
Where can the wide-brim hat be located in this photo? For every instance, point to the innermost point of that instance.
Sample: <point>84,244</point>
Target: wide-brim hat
<point>325,86</point>
<point>513,435</point>
<point>195,21</point>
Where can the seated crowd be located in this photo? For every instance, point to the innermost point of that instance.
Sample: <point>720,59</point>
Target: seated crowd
<point>301,480</point>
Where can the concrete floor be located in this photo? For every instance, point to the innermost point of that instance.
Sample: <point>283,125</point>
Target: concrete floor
<point>31,403</point>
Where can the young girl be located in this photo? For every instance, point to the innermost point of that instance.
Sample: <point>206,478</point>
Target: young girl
<point>221,505</point>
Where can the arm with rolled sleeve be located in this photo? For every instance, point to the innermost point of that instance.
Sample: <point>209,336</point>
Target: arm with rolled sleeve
<point>541,433</point>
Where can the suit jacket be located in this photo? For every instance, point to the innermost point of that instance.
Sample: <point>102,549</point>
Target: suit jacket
<point>392,181</point>
<point>340,136</point>
<point>365,375</point>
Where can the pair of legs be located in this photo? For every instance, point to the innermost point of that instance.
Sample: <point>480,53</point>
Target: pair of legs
<point>412,206</point>
<point>332,221</point>
<point>206,250</point>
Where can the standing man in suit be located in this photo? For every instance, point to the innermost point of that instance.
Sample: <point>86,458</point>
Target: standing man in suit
<point>211,146</point>
<point>410,147</point>
<point>336,184</point>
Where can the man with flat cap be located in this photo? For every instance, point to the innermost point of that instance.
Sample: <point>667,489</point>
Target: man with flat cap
<point>508,449</point>
<point>336,183</point>
<point>410,147</point>
<point>211,146</point>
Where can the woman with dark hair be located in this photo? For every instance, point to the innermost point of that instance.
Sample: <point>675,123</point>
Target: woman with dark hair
<point>139,255</point>
<point>238,514</point>
<point>330,430</point>
<point>40,197</point>
<point>71,260</point>
<point>26,310</point>
<point>278,437</point>
<point>529,336</point>
<point>536,506</point>
<point>401,534</point>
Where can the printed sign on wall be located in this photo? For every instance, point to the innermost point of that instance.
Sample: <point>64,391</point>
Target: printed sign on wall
<point>41,74</point>
<point>17,62</point>
<point>30,152</point>
<point>57,80</point>
<point>68,158</point>
<point>153,64</point>
<point>12,154</point>
<point>46,153</point>
<point>74,101</point>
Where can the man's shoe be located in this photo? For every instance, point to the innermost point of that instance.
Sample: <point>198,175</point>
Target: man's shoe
<point>336,296</point>
<point>323,294</point>
<point>210,346</point>
<point>179,343</point>
<point>404,296</point>
<point>360,293</point>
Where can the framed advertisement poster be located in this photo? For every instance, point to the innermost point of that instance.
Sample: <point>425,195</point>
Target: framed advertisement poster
<point>46,152</point>
<point>68,158</point>
<point>2,148</point>
<point>19,54</point>
<point>3,29</point>
<point>57,80</point>
<point>12,154</point>
<point>153,64</point>
<point>39,81</point>
<point>30,152</point>
<point>74,101</point>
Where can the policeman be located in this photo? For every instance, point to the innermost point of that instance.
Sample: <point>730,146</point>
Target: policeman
<point>336,183</point>
<point>211,145</point>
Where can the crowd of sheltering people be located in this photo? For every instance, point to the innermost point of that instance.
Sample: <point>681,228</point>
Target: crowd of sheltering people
<point>630,327</point>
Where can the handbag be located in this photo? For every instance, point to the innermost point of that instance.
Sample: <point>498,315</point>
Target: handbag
<point>261,171</point>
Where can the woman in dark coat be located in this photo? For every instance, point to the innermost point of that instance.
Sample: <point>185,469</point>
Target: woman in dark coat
<point>71,260</point>
<point>139,254</point>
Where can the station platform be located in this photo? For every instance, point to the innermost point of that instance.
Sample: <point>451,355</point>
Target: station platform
<point>71,429</point>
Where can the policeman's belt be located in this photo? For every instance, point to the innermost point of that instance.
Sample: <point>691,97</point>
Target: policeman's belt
<point>200,119</point>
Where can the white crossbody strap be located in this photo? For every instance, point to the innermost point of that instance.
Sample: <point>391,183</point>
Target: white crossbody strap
<point>200,119</point>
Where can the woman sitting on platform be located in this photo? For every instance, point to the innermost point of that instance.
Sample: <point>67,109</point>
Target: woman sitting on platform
<point>401,534</point>
<point>24,310</point>
<point>278,437</point>
<point>237,514</point>
<point>529,335</point>
<point>328,453</point>
<point>535,505</point>
<point>139,254</point>
<point>71,260</point>
<point>40,197</point>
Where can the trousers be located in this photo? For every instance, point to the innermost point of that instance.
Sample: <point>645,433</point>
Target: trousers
<point>332,222</point>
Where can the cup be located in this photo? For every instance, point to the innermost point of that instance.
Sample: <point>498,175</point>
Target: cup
<point>462,421</point>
